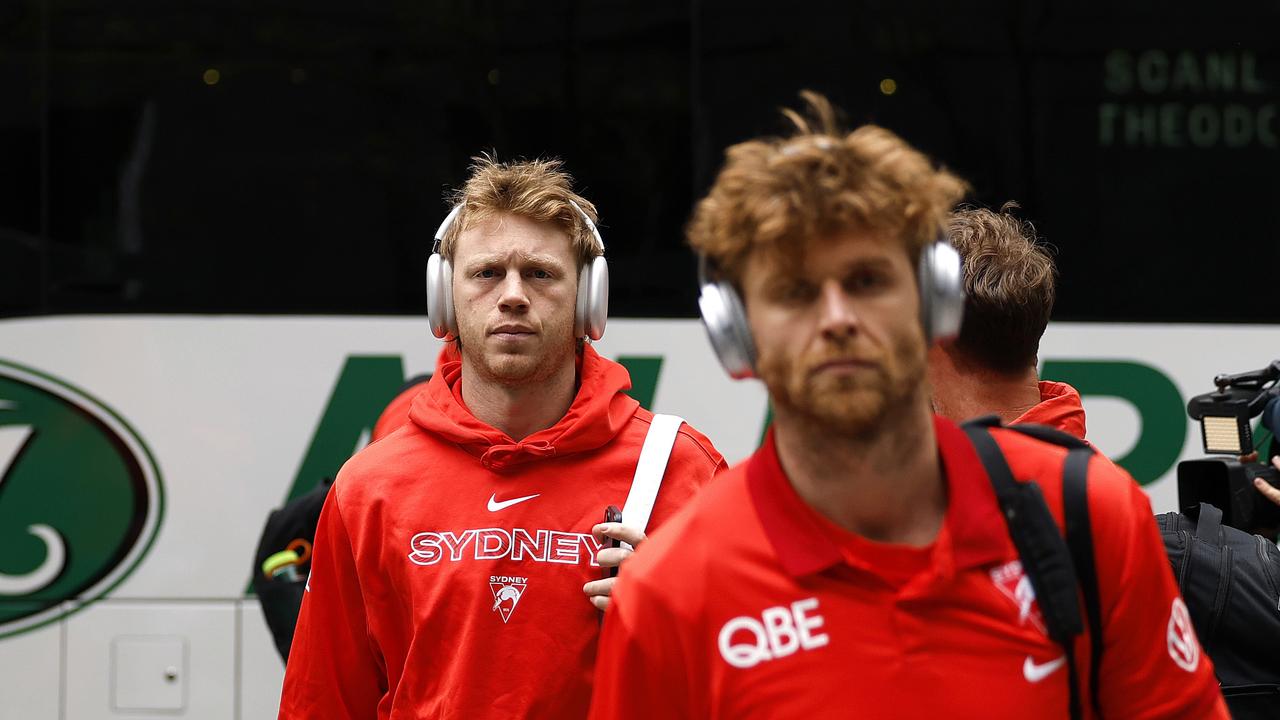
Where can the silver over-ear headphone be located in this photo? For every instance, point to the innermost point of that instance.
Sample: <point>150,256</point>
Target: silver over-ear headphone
<point>593,287</point>
<point>940,276</point>
<point>941,279</point>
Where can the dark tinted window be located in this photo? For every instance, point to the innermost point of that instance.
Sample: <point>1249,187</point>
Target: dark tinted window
<point>292,157</point>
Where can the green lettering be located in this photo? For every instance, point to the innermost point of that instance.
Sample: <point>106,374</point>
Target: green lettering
<point>644,370</point>
<point>1151,392</point>
<point>1261,436</point>
<point>768,420</point>
<point>364,387</point>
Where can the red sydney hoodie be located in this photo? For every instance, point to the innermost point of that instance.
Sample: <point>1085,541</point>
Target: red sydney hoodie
<point>449,561</point>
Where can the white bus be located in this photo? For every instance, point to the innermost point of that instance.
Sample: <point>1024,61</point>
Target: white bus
<point>140,456</point>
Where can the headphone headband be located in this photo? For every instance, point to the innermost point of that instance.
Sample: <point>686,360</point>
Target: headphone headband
<point>590,226</point>
<point>703,269</point>
<point>453,215</point>
<point>444,227</point>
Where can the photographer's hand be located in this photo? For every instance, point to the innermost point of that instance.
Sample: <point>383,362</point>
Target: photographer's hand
<point>1264,487</point>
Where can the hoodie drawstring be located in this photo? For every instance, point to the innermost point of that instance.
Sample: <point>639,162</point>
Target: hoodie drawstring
<point>498,457</point>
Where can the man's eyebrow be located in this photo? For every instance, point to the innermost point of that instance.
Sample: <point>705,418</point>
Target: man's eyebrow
<point>530,258</point>
<point>872,262</point>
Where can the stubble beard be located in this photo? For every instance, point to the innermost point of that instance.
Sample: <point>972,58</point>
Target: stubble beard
<point>519,369</point>
<point>856,406</point>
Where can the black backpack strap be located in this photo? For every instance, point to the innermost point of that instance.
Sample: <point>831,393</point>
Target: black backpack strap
<point>1208,524</point>
<point>1075,504</point>
<point>1055,436</point>
<point>1045,556</point>
<point>986,421</point>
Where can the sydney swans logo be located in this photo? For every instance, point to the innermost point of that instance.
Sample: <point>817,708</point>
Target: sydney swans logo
<point>507,591</point>
<point>80,498</point>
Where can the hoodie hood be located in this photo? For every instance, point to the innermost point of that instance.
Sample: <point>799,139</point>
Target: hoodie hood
<point>1059,408</point>
<point>599,412</point>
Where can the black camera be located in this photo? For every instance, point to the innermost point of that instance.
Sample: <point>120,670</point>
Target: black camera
<point>1225,416</point>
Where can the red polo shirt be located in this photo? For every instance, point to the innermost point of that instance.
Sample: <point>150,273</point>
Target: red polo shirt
<point>750,604</point>
<point>1059,407</point>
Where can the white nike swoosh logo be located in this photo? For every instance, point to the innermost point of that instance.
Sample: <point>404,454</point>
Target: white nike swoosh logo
<point>1034,672</point>
<point>495,506</point>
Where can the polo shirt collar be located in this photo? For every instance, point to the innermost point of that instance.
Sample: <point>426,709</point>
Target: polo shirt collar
<point>976,528</point>
<point>1059,407</point>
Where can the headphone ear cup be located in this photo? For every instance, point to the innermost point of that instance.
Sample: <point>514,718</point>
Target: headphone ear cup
<point>593,300</point>
<point>440,297</point>
<point>941,281</point>
<point>450,319</point>
<point>580,309</point>
<point>725,318</point>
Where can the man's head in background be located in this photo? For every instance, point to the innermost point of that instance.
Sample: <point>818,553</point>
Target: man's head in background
<point>516,248</point>
<point>1009,279</point>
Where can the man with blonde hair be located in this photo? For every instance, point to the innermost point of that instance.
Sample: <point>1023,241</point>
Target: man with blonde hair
<point>858,565</point>
<point>457,569</point>
<point>990,367</point>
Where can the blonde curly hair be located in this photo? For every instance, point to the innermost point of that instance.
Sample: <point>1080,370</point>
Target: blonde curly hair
<point>775,193</point>
<point>539,190</point>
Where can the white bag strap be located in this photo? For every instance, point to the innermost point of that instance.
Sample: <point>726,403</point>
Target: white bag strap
<point>649,471</point>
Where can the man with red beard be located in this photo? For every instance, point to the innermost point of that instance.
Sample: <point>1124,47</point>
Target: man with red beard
<point>457,568</point>
<point>858,564</point>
